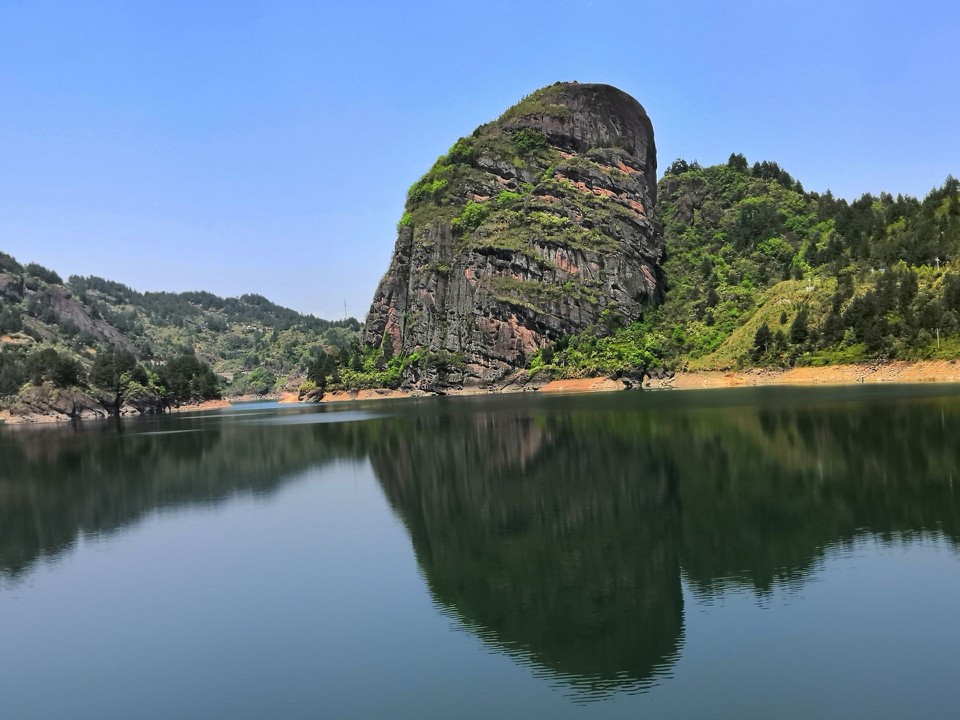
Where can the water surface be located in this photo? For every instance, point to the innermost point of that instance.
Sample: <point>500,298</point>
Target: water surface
<point>725,554</point>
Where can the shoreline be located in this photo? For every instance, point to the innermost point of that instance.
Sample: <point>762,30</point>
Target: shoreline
<point>200,407</point>
<point>56,418</point>
<point>895,372</point>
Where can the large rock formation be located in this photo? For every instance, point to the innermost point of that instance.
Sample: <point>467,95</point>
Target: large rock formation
<point>535,227</point>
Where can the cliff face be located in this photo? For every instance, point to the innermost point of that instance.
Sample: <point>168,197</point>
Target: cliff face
<point>535,227</point>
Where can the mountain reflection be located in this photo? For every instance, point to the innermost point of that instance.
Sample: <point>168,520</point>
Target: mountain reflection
<point>542,540</point>
<point>57,483</point>
<point>556,529</point>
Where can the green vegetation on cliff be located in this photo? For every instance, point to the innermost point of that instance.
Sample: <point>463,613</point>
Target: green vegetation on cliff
<point>523,234</point>
<point>761,272</point>
<point>523,212</point>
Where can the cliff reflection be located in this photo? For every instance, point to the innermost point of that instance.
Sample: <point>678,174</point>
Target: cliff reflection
<point>546,543</point>
<point>558,530</point>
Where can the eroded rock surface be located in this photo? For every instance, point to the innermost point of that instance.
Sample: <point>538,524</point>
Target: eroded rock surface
<point>535,227</point>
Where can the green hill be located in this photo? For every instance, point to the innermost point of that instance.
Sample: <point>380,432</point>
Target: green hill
<point>761,272</point>
<point>88,332</point>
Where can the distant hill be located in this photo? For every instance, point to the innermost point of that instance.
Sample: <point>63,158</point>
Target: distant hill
<point>53,332</point>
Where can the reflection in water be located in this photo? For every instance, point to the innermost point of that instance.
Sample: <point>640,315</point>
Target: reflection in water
<point>57,483</point>
<point>542,540</point>
<point>556,529</point>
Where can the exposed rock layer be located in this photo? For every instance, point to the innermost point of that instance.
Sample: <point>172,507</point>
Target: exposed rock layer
<point>527,231</point>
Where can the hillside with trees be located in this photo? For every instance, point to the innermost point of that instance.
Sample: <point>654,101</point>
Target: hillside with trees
<point>761,272</point>
<point>91,343</point>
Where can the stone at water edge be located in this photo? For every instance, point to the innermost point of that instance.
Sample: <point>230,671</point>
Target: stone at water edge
<point>525,232</point>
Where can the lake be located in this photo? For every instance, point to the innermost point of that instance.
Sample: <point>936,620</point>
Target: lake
<point>746,553</point>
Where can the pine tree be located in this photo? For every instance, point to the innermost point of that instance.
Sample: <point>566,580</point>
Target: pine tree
<point>799,328</point>
<point>761,342</point>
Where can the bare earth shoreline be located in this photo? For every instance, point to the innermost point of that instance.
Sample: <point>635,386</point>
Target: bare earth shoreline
<point>924,371</point>
<point>899,372</point>
<point>927,371</point>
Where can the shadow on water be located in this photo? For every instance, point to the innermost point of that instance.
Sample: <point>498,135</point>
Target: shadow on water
<point>557,529</point>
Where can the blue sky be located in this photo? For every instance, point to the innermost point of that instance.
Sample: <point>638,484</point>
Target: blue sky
<point>267,146</point>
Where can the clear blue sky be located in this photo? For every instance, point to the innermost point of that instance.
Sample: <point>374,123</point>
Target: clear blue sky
<point>267,146</point>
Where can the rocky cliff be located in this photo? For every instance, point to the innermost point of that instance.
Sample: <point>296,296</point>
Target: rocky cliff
<point>536,226</point>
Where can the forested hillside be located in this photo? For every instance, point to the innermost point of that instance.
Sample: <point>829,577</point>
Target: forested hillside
<point>761,272</point>
<point>758,272</point>
<point>118,345</point>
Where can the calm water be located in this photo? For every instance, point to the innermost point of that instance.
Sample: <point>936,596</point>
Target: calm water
<point>713,554</point>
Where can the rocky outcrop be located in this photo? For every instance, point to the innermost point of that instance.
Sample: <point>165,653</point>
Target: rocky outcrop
<point>46,403</point>
<point>11,287</point>
<point>56,304</point>
<point>136,401</point>
<point>535,227</point>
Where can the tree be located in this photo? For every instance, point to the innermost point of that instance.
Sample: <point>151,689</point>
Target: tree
<point>678,167</point>
<point>261,381</point>
<point>951,291</point>
<point>323,369</point>
<point>948,323</point>
<point>47,365</point>
<point>38,271</point>
<point>832,332</point>
<point>761,342</point>
<point>109,366</point>
<point>11,320</point>
<point>12,372</point>
<point>779,340</point>
<point>9,264</point>
<point>66,371</point>
<point>738,162</point>
<point>799,328</point>
<point>184,378</point>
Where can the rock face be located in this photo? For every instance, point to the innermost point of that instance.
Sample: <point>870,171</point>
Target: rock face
<point>45,403</point>
<point>535,227</point>
<point>61,306</point>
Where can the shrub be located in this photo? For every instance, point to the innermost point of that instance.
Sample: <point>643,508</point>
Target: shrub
<point>470,218</point>
<point>529,140</point>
